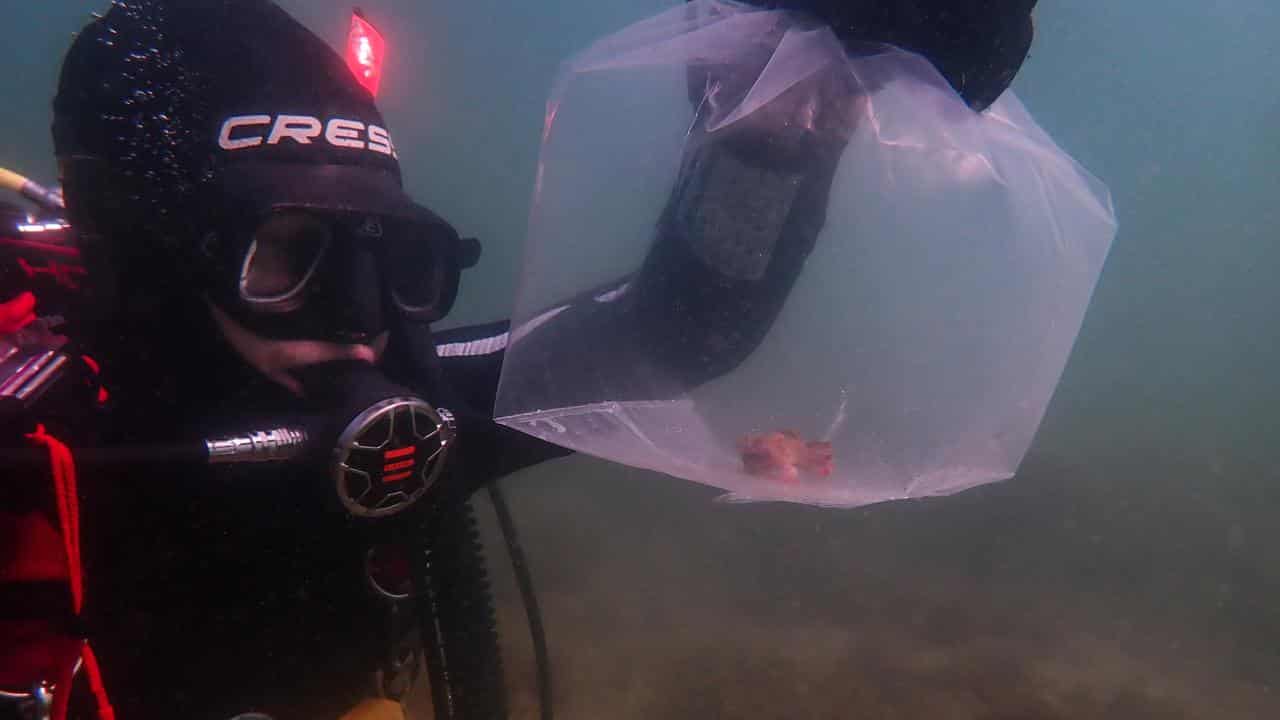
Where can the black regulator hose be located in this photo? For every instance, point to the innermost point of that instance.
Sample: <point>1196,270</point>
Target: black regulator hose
<point>525,581</point>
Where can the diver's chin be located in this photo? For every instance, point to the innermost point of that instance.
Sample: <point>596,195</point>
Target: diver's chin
<point>277,359</point>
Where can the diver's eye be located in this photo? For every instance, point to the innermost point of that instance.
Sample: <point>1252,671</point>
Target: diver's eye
<point>284,254</point>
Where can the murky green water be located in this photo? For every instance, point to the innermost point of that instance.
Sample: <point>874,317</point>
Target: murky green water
<point>1129,572</point>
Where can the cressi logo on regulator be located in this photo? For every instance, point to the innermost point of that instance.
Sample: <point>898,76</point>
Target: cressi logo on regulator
<point>390,455</point>
<point>241,132</point>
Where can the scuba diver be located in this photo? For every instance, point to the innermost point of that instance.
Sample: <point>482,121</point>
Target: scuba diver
<point>259,281</point>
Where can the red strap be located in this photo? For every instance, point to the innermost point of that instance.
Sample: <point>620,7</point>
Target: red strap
<point>94,365</point>
<point>17,313</point>
<point>94,673</point>
<point>64,484</point>
<point>96,368</point>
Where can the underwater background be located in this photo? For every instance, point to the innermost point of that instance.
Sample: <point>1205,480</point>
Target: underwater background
<point>1132,568</point>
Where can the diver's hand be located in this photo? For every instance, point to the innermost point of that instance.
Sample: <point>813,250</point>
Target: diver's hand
<point>275,358</point>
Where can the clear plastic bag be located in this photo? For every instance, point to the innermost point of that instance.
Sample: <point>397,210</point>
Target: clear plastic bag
<point>763,261</point>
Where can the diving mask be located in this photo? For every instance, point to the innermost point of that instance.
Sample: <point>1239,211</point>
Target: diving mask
<point>339,277</point>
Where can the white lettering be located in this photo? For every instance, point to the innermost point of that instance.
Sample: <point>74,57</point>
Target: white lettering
<point>299,128</point>
<point>344,133</point>
<point>379,141</point>
<point>303,129</point>
<point>232,123</point>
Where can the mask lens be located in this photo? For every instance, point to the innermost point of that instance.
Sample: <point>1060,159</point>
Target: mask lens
<point>282,257</point>
<point>414,274</point>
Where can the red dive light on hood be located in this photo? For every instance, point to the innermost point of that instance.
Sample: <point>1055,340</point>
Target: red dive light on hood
<point>365,48</point>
